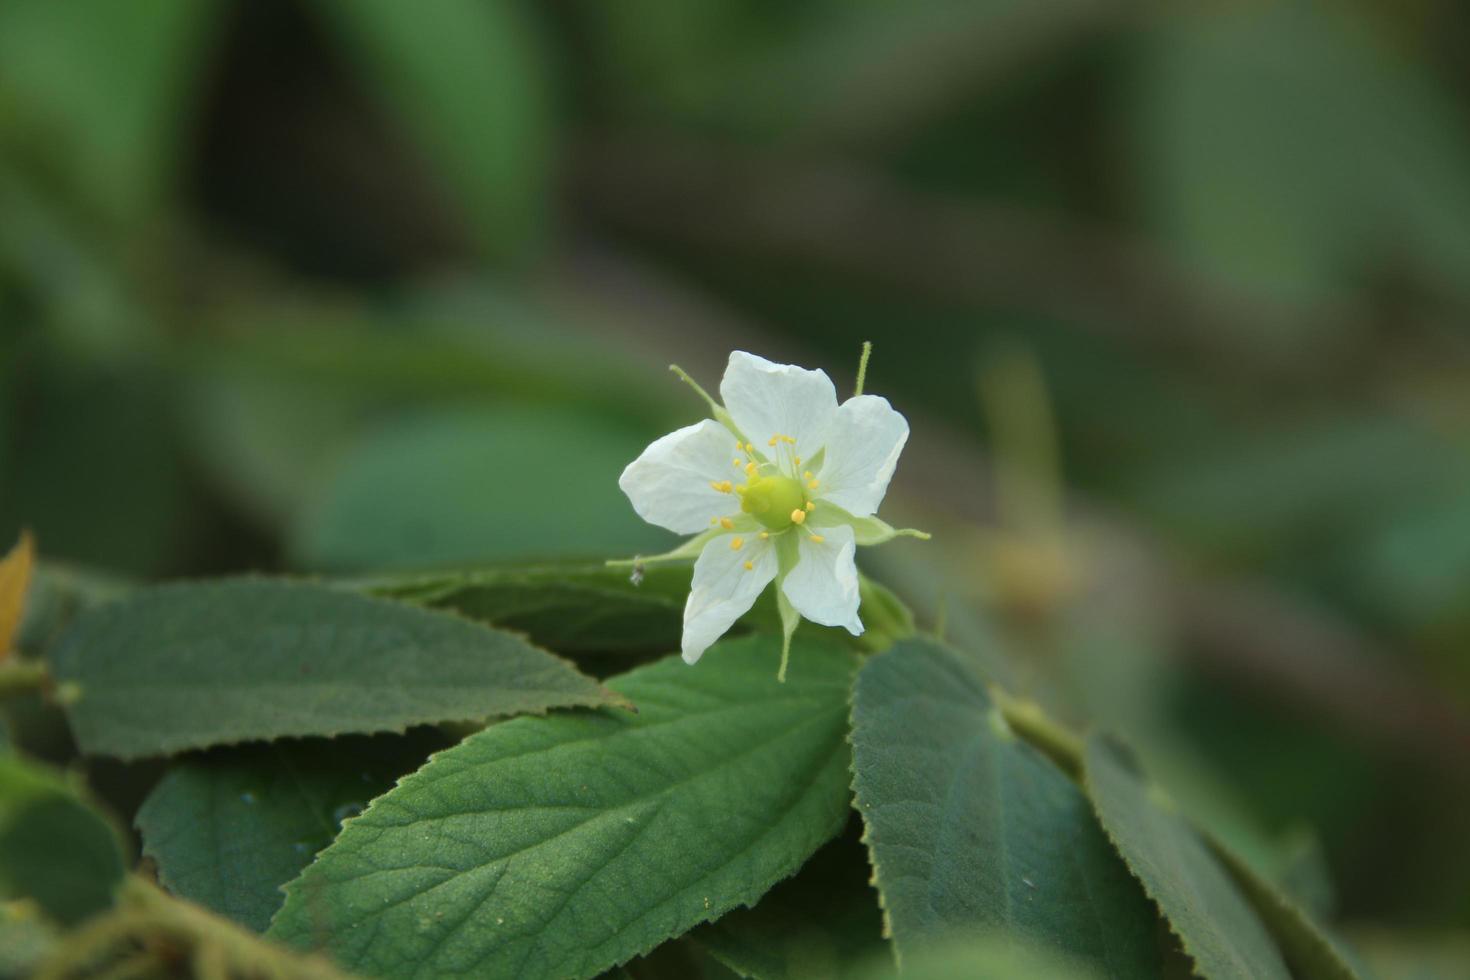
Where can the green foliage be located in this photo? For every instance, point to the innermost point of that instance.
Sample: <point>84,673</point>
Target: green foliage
<point>824,922</point>
<point>55,849</point>
<point>477,485</point>
<point>563,846</point>
<point>1217,926</point>
<point>189,666</point>
<point>973,830</point>
<point>228,828</point>
<point>468,84</point>
<point>102,88</point>
<point>994,956</point>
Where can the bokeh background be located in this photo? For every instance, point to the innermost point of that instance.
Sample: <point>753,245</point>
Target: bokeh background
<point>1176,298</point>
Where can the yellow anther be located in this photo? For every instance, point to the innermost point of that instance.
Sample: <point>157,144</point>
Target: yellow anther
<point>807,475</point>
<point>798,516</point>
<point>818,539</point>
<point>774,440</point>
<point>713,521</point>
<point>765,534</point>
<point>810,506</point>
<point>813,485</point>
<point>723,486</point>
<point>736,463</point>
<point>796,460</point>
<point>751,469</point>
<point>736,544</point>
<point>726,523</point>
<point>788,439</point>
<point>749,447</point>
<point>750,566</point>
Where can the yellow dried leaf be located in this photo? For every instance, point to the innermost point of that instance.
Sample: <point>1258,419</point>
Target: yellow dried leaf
<point>15,578</point>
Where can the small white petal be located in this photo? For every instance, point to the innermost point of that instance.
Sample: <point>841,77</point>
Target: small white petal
<point>824,584</point>
<point>723,589</point>
<point>669,485</point>
<point>863,446</point>
<point>767,399</point>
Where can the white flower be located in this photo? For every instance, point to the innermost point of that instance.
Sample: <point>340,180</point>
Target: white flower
<point>782,487</point>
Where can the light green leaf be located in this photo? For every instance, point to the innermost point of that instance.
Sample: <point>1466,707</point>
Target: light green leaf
<point>562,846</point>
<point>1212,919</point>
<point>103,87</point>
<point>478,485</point>
<point>189,666</point>
<point>822,923</point>
<point>229,828</point>
<point>466,80</point>
<point>972,829</point>
<point>54,848</point>
<point>1312,952</point>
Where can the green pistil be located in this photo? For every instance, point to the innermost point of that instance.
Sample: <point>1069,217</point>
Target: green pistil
<point>772,500</point>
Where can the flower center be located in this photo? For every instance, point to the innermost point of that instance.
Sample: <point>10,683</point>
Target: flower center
<point>772,500</point>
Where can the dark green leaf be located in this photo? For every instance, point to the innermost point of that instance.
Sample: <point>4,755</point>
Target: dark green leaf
<point>229,828</point>
<point>971,829</point>
<point>822,923</point>
<point>1214,922</point>
<point>54,848</point>
<point>562,846</point>
<point>189,666</point>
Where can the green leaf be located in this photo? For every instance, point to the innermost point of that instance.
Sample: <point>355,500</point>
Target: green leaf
<point>102,87</point>
<point>562,846</point>
<point>1312,952</point>
<point>466,80</point>
<point>189,666</point>
<point>1214,921</point>
<point>572,608</point>
<point>972,829</point>
<point>477,485</point>
<point>822,923</point>
<point>54,848</point>
<point>984,957</point>
<point>229,828</point>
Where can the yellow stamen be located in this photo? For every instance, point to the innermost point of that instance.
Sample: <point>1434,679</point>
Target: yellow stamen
<point>788,440</point>
<point>818,539</point>
<point>751,470</point>
<point>736,544</point>
<point>810,506</point>
<point>798,516</point>
<point>736,463</point>
<point>765,534</point>
<point>774,440</point>
<point>726,523</point>
<point>750,566</point>
<point>813,485</point>
<point>749,447</point>
<point>713,521</point>
<point>807,475</point>
<point>723,486</point>
<point>796,460</point>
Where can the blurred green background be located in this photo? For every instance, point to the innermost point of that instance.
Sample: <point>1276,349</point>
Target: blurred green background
<point>1175,299</point>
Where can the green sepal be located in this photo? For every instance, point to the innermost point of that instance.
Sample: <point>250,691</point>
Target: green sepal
<point>867,531</point>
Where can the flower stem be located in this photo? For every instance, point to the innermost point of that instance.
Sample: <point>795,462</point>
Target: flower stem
<point>863,367</point>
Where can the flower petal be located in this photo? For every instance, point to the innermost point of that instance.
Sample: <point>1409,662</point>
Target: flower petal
<point>767,399</point>
<point>724,589</point>
<point>863,445</point>
<point>824,584</point>
<point>669,485</point>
